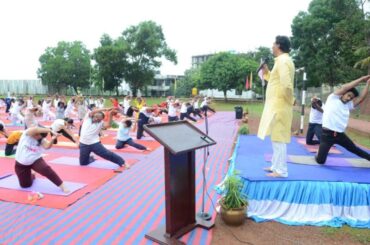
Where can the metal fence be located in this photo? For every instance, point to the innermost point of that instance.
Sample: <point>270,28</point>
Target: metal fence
<point>22,87</point>
<point>323,92</point>
<point>35,87</point>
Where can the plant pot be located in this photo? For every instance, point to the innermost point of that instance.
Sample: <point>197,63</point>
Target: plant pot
<point>234,216</point>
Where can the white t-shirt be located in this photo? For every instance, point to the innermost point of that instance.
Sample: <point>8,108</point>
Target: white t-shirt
<point>56,101</point>
<point>171,110</point>
<point>315,116</point>
<point>29,103</point>
<point>16,109</point>
<point>196,104</point>
<point>204,102</point>
<point>28,150</point>
<point>123,133</point>
<point>90,131</point>
<point>183,108</point>
<point>70,106</point>
<point>126,105</point>
<point>156,119</point>
<point>336,114</point>
<point>46,105</point>
<point>57,125</point>
<point>145,112</point>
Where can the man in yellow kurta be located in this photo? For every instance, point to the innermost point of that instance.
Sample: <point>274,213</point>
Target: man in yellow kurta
<point>278,111</point>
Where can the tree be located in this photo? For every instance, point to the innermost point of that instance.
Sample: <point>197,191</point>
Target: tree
<point>364,52</point>
<point>225,71</point>
<point>68,64</point>
<point>146,45</point>
<point>184,86</point>
<point>262,53</point>
<point>324,39</point>
<point>111,62</point>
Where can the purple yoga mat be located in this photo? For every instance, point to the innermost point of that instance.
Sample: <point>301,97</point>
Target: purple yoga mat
<point>330,161</point>
<point>41,185</point>
<point>76,162</point>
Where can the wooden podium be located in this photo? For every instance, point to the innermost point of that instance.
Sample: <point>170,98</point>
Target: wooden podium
<point>180,140</point>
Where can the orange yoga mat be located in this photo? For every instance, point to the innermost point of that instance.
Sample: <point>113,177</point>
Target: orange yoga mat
<point>93,177</point>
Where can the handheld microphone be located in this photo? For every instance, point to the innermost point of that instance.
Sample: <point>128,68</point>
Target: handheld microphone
<point>265,61</point>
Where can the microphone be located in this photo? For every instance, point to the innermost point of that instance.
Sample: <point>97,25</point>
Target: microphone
<point>265,61</point>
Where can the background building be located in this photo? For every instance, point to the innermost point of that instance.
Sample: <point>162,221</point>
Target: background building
<point>197,60</point>
<point>163,85</point>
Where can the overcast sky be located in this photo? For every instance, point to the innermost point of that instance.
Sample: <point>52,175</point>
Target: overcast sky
<point>191,27</point>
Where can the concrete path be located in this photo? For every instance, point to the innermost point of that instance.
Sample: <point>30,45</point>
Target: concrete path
<point>360,126</point>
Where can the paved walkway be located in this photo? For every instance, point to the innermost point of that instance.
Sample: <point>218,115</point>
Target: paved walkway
<point>359,125</point>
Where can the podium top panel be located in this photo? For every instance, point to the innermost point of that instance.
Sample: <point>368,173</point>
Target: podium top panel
<point>179,136</point>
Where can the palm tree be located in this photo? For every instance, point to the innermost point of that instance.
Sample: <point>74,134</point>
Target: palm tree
<point>365,62</point>
<point>365,50</point>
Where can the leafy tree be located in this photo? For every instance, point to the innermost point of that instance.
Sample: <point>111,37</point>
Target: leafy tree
<point>324,39</point>
<point>111,62</point>
<point>189,81</point>
<point>261,54</point>
<point>225,71</point>
<point>146,45</point>
<point>68,64</point>
<point>364,52</point>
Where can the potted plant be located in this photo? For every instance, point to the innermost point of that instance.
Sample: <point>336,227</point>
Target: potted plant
<point>234,203</point>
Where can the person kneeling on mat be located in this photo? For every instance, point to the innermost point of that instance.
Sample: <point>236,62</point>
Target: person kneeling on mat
<point>90,140</point>
<point>336,116</point>
<point>124,138</point>
<point>61,126</point>
<point>29,157</point>
<point>11,142</point>
<point>315,122</point>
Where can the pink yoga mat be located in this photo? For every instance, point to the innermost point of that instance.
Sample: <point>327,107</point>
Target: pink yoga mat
<point>315,148</point>
<point>72,161</point>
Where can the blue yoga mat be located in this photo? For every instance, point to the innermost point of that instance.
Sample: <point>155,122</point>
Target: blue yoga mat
<point>250,161</point>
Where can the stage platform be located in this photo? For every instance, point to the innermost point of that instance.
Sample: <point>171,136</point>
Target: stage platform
<point>334,194</point>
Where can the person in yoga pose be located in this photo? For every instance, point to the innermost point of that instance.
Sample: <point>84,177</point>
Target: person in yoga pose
<point>29,157</point>
<point>315,122</point>
<point>62,126</point>
<point>12,141</point>
<point>335,119</point>
<point>90,140</point>
<point>124,138</point>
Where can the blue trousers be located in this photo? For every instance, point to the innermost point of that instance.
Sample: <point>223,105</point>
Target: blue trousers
<point>173,119</point>
<point>120,144</point>
<point>186,115</point>
<point>99,150</point>
<point>313,129</point>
